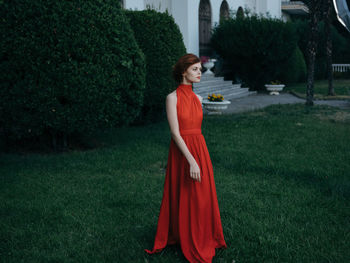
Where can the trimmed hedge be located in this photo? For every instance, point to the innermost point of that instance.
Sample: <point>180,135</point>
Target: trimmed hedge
<point>67,67</point>
<point>256,48</point>
<point>160,39</point>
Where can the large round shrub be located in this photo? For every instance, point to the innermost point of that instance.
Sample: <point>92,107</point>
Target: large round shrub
<point>67,66</point>
<point>160,39</point>
<point>256,48</point>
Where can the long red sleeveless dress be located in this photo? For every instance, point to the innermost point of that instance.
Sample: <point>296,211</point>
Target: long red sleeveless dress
<point>189,213</point>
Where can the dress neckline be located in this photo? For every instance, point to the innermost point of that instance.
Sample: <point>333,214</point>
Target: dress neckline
<point>185,87</point>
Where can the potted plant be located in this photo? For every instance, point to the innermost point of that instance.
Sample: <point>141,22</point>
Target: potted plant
<point>207,63</point>
<point>215,103</point>
<point>274,87</point>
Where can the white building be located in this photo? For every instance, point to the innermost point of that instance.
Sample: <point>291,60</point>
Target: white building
<point>196,18</point>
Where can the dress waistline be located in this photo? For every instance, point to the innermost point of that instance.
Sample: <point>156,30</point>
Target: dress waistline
<point>191,132</point>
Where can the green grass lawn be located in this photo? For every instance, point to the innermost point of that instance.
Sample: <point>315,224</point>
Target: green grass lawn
<point>341,89</point>
<point>282,178</point>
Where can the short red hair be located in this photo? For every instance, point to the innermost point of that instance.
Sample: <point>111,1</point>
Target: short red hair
<point>182,65</point>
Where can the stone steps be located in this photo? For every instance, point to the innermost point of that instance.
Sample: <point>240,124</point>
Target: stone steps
<point>210,84</point>
<point>217,87</point>
<point>205,82</point>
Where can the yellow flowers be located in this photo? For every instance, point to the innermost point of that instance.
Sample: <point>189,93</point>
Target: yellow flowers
<point>215,97</point>
<point>276,82</point>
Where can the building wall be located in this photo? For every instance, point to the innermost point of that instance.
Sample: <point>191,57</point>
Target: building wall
<point>261,7</point>
<point>235,4</point>
<point>159,5</point>
<point>274,8</point>
<point>215,12</point>
<point>134,4</point>
<point>185,13</point>
<point>251,5</point>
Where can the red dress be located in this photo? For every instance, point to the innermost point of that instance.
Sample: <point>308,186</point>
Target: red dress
<point>189,213</point>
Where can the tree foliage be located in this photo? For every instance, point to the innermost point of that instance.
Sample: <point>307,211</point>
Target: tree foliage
<point>66,67</point>
<point>160,39</point>
<point>340,46</point>
<point>257,48</point>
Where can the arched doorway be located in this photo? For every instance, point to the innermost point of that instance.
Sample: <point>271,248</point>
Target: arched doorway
<point>224,11</point>
<point>204,28</point>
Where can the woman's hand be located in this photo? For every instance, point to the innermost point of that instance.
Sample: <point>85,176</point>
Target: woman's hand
<point>195,173</point>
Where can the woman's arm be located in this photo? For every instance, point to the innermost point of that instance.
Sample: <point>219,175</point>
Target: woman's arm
<point>171,111</point>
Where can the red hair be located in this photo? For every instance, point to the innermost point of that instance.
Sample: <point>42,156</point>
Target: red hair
<point>182,65</point>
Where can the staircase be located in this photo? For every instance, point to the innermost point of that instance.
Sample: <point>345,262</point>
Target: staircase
<point>210,84</point>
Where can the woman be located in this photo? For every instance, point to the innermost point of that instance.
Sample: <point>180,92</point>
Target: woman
<point>189,213</point>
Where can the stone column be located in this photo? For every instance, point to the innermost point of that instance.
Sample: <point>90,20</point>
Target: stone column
<point>185,14</point>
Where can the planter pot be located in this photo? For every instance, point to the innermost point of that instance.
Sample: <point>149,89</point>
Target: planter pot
<point>215,107</point>
<point>274,89</point>
<point>208,65</point>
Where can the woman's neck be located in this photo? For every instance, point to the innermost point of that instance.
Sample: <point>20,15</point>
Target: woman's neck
<point>186,82</point>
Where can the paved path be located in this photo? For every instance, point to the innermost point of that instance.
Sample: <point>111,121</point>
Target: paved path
<point>259,101</point>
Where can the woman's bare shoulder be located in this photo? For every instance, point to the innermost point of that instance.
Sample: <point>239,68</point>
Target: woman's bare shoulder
<point>171,96</point>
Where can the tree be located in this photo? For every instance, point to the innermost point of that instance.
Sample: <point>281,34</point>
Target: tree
<point>329,46</point>
<point>315,14</point>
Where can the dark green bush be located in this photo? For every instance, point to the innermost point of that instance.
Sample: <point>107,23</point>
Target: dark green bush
<point>67,67</point>
<point>296,68</point>
<point>257,48</point>
<point>161,41</point>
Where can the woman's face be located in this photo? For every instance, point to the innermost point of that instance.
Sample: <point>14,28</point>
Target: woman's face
<point>192,74</point>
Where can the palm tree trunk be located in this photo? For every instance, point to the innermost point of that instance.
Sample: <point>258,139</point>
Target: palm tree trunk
<point>329,46</point>
<point>314,9</point>
<point>312,47</point>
